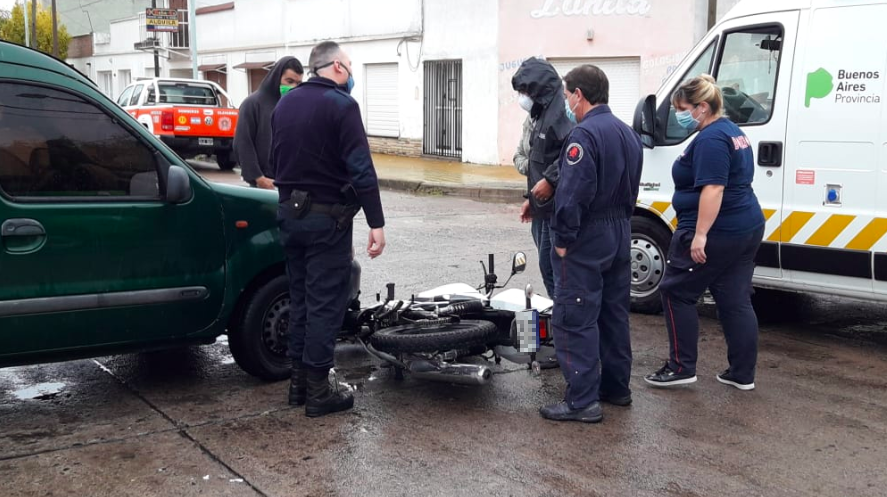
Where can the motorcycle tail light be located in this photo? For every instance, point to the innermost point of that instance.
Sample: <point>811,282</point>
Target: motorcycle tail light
<point>543,329</point>
<point>166,121</point>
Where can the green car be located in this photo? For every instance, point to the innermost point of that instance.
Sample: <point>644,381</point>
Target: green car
<point>110,243</point>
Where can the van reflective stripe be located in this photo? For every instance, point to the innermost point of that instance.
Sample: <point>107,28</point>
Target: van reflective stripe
<point>790,226</point>
<point>660,207</point>
<point>869,236</point>
<point>830,229</point>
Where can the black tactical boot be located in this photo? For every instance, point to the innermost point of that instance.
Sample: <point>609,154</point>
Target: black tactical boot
<point>298,385</point>
<point>322,398</point>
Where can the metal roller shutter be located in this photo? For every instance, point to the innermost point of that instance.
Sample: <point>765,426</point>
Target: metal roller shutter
<point>382,108</point>
<point>624,75</point>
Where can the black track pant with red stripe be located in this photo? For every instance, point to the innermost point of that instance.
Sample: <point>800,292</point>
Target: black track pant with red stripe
<point>727,273</point>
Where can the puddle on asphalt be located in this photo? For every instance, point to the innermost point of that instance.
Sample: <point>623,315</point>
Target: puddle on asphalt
<point>40,391</point>
<point>356,378</point>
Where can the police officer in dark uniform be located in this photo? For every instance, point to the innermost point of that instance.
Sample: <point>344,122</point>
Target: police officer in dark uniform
<point>600,171</point>
<point>324,174</point>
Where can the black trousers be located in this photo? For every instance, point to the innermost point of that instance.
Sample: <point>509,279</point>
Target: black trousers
<point>318,265</point>
<point>727,273</point>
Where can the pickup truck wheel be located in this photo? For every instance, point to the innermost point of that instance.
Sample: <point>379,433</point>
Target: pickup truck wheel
<point>224,160</point>
<point>649,247</point>
<point>259,342</point>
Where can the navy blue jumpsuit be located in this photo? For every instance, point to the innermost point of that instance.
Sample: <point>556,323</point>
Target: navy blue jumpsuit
<point>600,171</point>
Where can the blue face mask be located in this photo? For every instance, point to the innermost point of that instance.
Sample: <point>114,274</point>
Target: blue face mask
<point>570,114</point>
<point>349,85</point>
<point>686,120</point>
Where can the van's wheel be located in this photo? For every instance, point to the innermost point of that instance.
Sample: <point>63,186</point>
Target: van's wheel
<point>258,342</point>
<point>434,337</point>
<point>649,246</point>
<point>224,160</point>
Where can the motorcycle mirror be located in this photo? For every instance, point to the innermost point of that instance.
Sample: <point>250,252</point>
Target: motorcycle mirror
<point>519,263</point>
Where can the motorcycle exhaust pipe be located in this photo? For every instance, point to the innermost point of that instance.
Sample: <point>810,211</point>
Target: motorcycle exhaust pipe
<point>462,374</point>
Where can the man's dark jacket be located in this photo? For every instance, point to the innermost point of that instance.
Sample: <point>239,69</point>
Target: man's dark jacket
<point>540,81</point>
<point>320,145</point>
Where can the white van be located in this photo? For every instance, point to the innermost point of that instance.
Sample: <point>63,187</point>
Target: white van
<point>804,79</point>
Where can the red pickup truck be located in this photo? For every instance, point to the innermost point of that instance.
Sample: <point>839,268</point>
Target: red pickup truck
<point>191,116</point>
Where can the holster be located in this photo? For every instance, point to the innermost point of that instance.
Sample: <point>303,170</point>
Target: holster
<point>344,215</point>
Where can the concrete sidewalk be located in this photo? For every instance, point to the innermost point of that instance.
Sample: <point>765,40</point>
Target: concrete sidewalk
<point>440,177</point>
<point>422,176</point>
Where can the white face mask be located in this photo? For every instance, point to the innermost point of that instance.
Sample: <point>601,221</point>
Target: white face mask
<point>525,102</point>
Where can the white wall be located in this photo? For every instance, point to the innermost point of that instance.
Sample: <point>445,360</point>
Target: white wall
<point>724,6</point>
<point>252,24</point>
<point>468,30</point>
<point>347,19</point>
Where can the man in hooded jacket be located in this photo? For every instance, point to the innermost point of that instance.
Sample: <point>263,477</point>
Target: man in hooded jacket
<point>252,138</point>
<point>542,97</point>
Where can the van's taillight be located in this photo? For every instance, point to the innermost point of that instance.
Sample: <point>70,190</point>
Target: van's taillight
<point>167,122</point>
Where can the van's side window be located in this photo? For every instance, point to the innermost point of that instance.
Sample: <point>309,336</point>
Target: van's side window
<point>674,133</point>
<point>56,144</point>
<point>746,73</point>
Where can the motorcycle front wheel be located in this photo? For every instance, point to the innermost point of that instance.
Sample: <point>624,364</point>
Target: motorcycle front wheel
<point>434,337</point>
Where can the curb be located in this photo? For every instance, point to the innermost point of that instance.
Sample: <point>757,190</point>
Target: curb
<point>501,194</point>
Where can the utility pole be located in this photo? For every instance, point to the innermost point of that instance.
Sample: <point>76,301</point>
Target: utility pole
<point>33,23</point>
<point>156,53</point>
<point>55,31</point>
<point>712,13</point>
<point>27,24</point>
<point>192,35</point>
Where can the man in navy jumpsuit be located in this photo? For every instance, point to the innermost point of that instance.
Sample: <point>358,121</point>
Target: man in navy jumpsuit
<point>319,148</point>
<point>600,170</point>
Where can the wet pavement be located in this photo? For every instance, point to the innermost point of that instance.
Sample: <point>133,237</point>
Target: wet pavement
<point>190,422</point>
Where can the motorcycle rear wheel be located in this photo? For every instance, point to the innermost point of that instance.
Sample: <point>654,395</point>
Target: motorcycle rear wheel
<point>434,337</point>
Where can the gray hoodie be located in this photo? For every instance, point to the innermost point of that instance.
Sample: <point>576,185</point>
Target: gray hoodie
<point>252,138</point>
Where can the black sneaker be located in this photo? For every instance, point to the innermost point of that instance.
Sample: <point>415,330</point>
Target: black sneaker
<point>665,377</point>
<point>562,412</point>
<point>727,379</point>
<point>623,401</point>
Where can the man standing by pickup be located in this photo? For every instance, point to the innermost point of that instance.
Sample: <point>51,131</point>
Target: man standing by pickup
<point>252,138</point>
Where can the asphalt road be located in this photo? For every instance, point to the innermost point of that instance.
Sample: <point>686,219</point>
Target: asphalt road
<point>189,422</point>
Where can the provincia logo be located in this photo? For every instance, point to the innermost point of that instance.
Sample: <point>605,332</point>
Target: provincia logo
<point>850,87</point>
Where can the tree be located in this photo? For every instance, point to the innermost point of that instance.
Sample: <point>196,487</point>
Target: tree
<point>13,29</point>
<point>4,18</point>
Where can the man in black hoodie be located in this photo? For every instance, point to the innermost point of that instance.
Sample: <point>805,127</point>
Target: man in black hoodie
<point>537,80</point>
<point>252,138</point>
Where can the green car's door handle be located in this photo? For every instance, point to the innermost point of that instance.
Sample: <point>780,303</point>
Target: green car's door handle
<point>21,227</point>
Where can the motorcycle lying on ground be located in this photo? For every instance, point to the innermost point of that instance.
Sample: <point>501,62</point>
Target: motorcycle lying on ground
<point>430,333</point>
<point>427,334</point>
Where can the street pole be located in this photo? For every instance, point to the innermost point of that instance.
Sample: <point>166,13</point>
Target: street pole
<point>33,23</point>
<point>192,36</point>
<point>156,53</point>
<point>27,24</point>
<point>55,31</point>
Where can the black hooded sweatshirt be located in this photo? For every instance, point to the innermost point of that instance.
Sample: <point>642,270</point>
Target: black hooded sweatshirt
<point>252,138</point>
<point>540,81</point>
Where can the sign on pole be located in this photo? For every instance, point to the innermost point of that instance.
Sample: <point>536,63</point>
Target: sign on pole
<point>161,20</point>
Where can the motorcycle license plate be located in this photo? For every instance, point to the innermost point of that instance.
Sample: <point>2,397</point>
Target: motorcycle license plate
<point>207,142</point>
<point>527,323</point>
